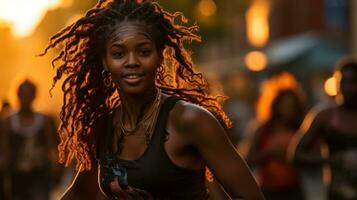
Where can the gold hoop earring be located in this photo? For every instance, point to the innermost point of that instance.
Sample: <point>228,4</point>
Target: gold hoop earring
<point>104,73</point>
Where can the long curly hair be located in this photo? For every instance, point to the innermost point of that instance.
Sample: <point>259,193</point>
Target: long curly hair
<point>272,91</point>
<point>88,94</point>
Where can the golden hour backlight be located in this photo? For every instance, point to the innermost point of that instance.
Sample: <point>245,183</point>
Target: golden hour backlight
<point>271,87</point>
<point>207,7</point>
<point>257,18</point>
<point>331,86</point>
<point>256,61</point>
<point>24,15</point>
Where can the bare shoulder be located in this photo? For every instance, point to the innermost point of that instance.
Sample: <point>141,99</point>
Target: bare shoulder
<point>186,114</point>
<point>193,123</point>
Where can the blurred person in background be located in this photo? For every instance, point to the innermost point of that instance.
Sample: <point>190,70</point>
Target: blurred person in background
<point>335,127</point>
<point>30,147</point>
<point>281,109</point>
<point>5,109</point>
<point>4,178</point>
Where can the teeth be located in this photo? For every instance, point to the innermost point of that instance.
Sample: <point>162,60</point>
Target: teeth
<point>132,76</point>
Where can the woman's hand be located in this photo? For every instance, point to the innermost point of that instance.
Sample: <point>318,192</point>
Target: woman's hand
<point>128,193</point>
<point>116,189</point>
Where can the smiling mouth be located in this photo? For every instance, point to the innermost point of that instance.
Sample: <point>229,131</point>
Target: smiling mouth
<point>133,76</point>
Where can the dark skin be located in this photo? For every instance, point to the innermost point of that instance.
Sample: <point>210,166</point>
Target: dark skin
<point>195,136</point>
<point>286,113</point>
<point>313,130</point>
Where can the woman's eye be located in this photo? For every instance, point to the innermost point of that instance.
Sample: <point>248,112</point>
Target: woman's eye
<point>145,52</point>
<point>118,54</point>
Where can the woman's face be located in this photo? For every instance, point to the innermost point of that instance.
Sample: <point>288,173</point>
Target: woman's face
<point>287,106</point>
<point>132,58</point>
<point>348,85</point>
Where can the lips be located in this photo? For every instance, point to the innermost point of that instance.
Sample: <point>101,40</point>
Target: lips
<point>133,78</point>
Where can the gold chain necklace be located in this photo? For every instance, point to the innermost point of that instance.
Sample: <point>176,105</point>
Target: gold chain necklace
<point>149,117</point>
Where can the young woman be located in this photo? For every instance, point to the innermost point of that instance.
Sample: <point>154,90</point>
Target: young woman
<point>336,127</point>
<point>134,102</point>
<point>278,178</point>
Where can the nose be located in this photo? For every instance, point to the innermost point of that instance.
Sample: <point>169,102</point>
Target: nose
<point>132,61</point>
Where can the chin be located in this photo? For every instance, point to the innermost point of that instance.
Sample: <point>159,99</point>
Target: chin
<point>134,90</point>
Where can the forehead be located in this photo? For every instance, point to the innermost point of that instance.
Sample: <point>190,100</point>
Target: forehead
<point>129,31</point>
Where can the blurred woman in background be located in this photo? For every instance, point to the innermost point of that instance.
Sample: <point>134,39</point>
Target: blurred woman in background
<point>281,110</point>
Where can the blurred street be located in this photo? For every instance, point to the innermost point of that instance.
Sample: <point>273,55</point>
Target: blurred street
<point>274,59</point>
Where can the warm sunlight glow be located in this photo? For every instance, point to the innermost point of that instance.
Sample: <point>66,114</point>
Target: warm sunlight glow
<point>257,23</point>
<point>256,61</point>
<point>24,15</point>
<point>207,7</point>
<point>331,86</point>
<point>270,88</point>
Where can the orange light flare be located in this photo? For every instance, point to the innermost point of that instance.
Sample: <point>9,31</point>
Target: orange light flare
<point>256,61</point>
<point>330,86</point>
<point>22,16</point>
<point>257,20</point>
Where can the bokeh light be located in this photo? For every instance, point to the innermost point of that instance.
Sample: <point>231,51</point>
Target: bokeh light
<point>256,61</point>
<point>207,8</point>
<point>257,18</point>
<point>330,86</point>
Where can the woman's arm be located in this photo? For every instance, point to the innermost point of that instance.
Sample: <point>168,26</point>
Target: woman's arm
<point>301,149</point>
<point>206,134</point>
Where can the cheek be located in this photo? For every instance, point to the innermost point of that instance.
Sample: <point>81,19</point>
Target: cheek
<point>151,65</point>
<point>115,71</point>
<point>114,66</point>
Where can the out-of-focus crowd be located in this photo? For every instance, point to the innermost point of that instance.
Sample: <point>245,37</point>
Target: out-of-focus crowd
<point>294,153</point>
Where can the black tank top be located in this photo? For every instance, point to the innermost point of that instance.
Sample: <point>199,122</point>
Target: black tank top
<point>155,173</point>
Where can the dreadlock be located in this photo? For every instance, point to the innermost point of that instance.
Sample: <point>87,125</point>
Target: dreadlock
<point>88,94</point>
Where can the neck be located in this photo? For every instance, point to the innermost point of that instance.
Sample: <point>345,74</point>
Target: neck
<point>135,106</point>
<point>26,110</point>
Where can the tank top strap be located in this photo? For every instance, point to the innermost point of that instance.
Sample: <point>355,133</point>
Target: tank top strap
<point>160,126</point>
<point>164,115</point>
